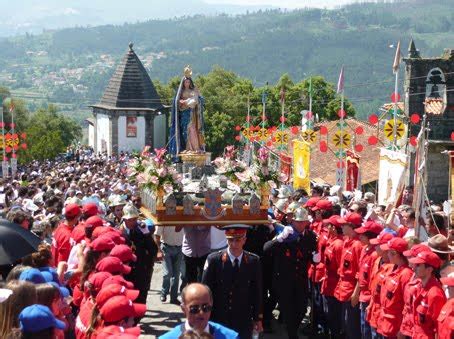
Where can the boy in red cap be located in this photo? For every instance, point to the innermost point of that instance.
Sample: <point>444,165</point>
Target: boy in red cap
<point>347,289</point>
<point>331,260</point>
<point>392,290</point>
<point>379,270</point>
<point>368,231</point>
<point>406,327</point>
<point>446,317</point>
<point>429,298</point>
<point>321,210</point>
<point>61,244</point>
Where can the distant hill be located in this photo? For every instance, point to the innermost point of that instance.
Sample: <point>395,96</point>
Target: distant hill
<point>260,46</point>
<point>31,16</point>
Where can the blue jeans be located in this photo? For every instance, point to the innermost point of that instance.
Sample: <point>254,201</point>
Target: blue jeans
<point>171,266</point>
<point>365,327</point>
<point>375,335</point>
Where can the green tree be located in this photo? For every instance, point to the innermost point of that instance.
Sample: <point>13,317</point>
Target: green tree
<point>220,132</point>
<point>49,134</point>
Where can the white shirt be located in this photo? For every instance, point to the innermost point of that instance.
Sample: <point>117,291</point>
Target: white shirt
<point>232,257</point>
<point>169,236</point>
<point>189,328</point>
<point>218,239</point>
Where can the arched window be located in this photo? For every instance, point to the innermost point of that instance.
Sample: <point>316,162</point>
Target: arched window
<point>436,98</point>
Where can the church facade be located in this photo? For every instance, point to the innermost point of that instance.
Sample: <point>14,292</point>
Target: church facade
<point>429,91</point>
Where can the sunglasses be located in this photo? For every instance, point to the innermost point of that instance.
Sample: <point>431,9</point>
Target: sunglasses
<point>195,309</point>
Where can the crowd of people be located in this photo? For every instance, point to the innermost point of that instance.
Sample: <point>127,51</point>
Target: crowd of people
<point>332,263</point>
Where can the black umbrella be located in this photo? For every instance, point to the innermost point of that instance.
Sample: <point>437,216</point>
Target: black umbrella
<point>15,242</point>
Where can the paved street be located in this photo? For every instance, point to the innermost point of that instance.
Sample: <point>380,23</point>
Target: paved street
<point>161,317</point>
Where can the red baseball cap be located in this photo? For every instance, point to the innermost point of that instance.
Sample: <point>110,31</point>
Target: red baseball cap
<point>102,243</point>
<point>413,252</point>
<point>97,280</point>
<point>312,202</point>
<point>370,226</point>
<point>428,257</point>
<point>78,233</point>
<point>382,238</point>
<point>323,205</point>
<point>101,230</point>
<point>122,336</point>
<point>72,210</point>
<point>94,221</point>
<point>116,331</point>
<point>90,209</point>
<point>334,220</point>
<point>113,290</point>
<point>112,265</point>
<point>354,218</point>
<point>397,244</point>
<point>124,253</point>
<point>115,237</point>
<point>448,281</point>
<point>120,307</point>
<point>118,279</point>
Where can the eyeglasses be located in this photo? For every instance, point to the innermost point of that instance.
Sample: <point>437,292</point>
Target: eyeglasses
<point>195,309</point>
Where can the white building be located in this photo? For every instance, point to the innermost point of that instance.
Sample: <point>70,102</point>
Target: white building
<point>130,114</point>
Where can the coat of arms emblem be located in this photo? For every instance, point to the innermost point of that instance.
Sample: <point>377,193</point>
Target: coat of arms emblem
<point>213,204</point>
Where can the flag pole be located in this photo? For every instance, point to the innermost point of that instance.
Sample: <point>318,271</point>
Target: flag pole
<point>310,95</point>
<point>396,65</point>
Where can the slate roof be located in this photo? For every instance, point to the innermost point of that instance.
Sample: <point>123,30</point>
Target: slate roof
<point>130,87</point>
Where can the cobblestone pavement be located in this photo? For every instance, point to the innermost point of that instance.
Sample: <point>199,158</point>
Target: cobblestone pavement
<point>161,317</point>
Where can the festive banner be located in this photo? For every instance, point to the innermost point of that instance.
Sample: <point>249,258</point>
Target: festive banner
<point>393,166</point>
<point>301,165</point>
<point>451,176</point>
<point>286,166</point>
<point>352,171</point>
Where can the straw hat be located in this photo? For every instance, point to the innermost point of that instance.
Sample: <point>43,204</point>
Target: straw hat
<point>439,244</point>
<point>130,212</point>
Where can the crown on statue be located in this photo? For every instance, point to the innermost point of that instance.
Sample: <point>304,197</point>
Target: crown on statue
<point>188,72</point>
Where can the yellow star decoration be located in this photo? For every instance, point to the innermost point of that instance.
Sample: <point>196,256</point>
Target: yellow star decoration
<point>248,133</point>
<point>309,136</point>
<point>262,134</point>
<point>341,139</point>
<point>281,138</point>
<point>389,129</point>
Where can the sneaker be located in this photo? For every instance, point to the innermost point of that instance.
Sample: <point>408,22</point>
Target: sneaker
<point>163,298</point>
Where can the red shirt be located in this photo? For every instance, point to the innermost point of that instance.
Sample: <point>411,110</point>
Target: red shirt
<point>322,242</point>
<point>61,243</point>
<point>348,269</point>
<point>331,259</point>
<point>366,261</point>
<point>83,319</point>
<point>378,274</point>
<point>392,300</point>
<point>446,321</point>
<point>406,328</point>
<point>427,305</point>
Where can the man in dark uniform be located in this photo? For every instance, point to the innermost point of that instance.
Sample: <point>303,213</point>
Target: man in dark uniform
<point>293,249</point>
<point>140,239</point>
<point>235,278</point>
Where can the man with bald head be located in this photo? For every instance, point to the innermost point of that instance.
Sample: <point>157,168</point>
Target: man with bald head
<point>197,303</point>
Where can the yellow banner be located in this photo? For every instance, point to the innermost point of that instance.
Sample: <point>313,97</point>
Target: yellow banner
<point>301,165</point>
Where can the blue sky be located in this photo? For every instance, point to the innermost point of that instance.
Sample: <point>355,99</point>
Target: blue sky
<point>286,3</point>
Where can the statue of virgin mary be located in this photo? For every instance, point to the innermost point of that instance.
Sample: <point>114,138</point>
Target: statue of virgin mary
<point>187,125</point>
